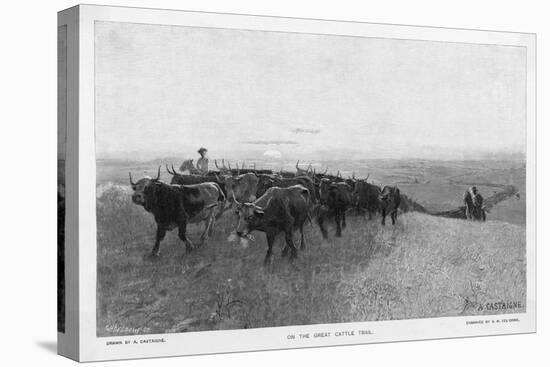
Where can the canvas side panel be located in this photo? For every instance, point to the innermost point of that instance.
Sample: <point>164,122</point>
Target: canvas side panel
<point>61,154</point>
<point>67,185</point>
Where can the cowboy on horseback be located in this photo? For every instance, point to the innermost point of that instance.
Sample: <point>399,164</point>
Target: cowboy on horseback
<point>202,162</point>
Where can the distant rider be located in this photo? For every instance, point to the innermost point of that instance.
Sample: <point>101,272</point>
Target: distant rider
<point>202,162</point>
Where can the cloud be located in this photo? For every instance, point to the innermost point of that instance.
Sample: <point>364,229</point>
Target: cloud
<point>273,154</point>
<point>299,130</point>
<point>272,142</point>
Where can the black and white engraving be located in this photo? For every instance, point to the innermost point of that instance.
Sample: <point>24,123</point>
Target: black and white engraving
<point>250,179</point>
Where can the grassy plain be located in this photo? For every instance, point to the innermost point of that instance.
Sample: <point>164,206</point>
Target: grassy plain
<point>423,267</point>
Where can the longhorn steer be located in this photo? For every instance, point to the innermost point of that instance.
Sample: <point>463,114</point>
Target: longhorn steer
<point>336,198</point>
<point>179,179</point>
<point>390,198</point>
<point>367,196</point>
<point>278,210</point>
<point>174,206</point>
<point>241,188</point>
<point>267,181</point>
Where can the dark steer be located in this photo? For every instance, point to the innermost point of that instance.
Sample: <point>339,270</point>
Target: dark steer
<point>267,181</point>
<point>366,196</point>
<point>336,198</point>
<point>390,198</point>
<point>179,179</point>
<point>174,206</point>
<point>278,210</point>
<point>241,188</point>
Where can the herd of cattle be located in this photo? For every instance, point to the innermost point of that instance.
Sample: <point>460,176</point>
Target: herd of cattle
<point>263,200</point>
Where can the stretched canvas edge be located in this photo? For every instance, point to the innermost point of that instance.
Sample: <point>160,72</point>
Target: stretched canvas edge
<point>208,342</point>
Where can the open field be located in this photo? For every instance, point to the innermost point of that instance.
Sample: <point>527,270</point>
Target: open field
<point>423,267</point>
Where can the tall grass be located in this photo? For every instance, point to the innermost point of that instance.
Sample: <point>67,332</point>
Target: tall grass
<point>422,267</point>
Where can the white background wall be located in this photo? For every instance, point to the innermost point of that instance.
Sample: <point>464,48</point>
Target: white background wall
<point>28,164</point>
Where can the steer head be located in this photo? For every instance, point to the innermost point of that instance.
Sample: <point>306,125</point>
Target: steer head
<point>249,216</point>
<point>241,188</point>
<point>387,195</point>
<point>324,186</point>
<point>187,166</point>
<point>351,182</point>
<point>264,183</point>
<point>142,188</point>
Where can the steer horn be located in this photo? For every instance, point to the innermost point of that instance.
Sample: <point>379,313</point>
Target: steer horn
<point>172,172</point>
<point>158,175</point>
<point>131,182</point>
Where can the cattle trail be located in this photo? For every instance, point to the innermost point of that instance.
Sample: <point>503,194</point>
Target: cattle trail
<point>410,205</point>
<point>490,202</point>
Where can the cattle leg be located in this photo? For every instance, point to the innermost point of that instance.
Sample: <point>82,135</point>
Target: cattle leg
<point>161,232</point>
<point>337,218</point>
<point>208,228</point>
<point>220,213</point>
<point>290,243</point>
<point>285,251</point>
<point>343,219</point>
<point>321,222</point>
<point>211,229</point>
<point>302,239</point>
<point>182,228</point>
<point>383,217</point>
<point>393,217</point>
<point>270,240</point>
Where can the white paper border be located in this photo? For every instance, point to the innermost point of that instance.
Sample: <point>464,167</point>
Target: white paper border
<point>94,348</point>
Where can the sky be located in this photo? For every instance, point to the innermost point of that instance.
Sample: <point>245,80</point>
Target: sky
<point>168,90</point>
